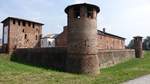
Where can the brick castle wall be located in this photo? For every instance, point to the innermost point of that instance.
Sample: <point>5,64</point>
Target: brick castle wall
<point>108,42</point>
<point>61,40</point>
<point>48,57</point>
<point>109,58</point>
<point>56,57</point>
<point>103,41</point>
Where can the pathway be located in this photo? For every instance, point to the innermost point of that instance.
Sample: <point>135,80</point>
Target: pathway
<point>140,80</point>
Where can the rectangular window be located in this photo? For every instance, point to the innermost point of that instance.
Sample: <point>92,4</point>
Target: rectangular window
<point>14,21</point>
<point>89,12</point>
<point>33,25</point>
<point>36,37</point>
<point>19,23</point>
<point>24,23</point>
<point>23,30</point>
<point>5,35</point>
<point>49,43</point>
<point>29,24</point>
<point>25,37</point>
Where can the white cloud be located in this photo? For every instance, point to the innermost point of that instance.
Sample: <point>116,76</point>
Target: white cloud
<point>81,1</point>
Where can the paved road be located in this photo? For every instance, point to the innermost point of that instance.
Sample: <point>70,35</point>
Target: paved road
<point>140,80</point>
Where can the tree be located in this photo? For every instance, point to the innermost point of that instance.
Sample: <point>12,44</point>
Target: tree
<point>131,44</point>
<point>146,43</point>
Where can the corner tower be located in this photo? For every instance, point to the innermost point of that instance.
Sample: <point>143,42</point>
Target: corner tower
<point>20,33</point>
<point>82,51</point>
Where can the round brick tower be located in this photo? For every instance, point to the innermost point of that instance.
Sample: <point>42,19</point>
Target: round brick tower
<point>82,51</point>
<point>138,47</point>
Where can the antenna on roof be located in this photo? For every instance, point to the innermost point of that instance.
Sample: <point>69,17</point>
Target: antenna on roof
<point>104,29</point>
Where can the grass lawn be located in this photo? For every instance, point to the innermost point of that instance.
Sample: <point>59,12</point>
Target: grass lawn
<point>15,73</point>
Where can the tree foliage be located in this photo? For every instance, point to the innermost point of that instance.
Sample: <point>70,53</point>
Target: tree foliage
<point>146,43</point>
<point>131,44</point>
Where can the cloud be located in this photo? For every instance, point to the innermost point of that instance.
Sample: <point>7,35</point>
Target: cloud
<point>81,1</point>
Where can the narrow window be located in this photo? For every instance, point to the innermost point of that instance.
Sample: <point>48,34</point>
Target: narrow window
<point>29,24</point>
<point>19,23</point>
<point>49,43</point>
<point>77,12</point>
<point>33,25</point>
<point>36,37</point>
<point>24,23</point>
<point>89,12</point>
<point>14,21</point>
<point>23,30</point>
<point>25,37</point>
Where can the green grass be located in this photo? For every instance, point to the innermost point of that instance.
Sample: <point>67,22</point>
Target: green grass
<point>15,73</point>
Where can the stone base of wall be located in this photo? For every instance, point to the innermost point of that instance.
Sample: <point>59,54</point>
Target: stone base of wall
<point>56,57</point>
<point>109,58</point>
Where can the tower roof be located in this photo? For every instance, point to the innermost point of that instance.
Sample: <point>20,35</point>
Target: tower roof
<point>82,4</point>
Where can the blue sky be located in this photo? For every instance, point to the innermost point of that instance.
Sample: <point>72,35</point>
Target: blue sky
<point>126,18</point>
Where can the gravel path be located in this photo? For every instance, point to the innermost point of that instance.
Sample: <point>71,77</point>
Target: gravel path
<point>140,80</point>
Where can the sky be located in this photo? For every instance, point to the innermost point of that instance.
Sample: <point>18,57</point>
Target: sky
<point>126,18</point>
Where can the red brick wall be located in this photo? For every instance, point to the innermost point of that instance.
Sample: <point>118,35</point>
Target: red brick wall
<point>56,57</point>
<point>17,35</point>
<point>109,42</point>
<point>104,41</point>
<point>61,40</point>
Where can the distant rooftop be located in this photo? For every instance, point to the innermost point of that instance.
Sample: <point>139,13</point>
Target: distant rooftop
<point>21,20</point>
<point>105,33</point>
<point>50,36</point>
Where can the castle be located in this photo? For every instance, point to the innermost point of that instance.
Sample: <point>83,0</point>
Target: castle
<point>80,48</point>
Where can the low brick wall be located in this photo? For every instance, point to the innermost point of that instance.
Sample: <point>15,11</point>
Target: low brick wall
<point>109,58</point>
<point>56,57</point>
<point>45,57</point>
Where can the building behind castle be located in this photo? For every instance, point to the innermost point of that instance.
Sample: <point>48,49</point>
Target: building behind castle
<point>48,41</point>
<point>104,40</point>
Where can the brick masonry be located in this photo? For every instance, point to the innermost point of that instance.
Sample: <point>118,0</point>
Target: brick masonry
<point>56,57</point>
<point>109,58</point>
<point>47,57</point>
<point>104,41</point>
<point>21,34</point>
<point>61,40</point>
<point>138,47</point>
